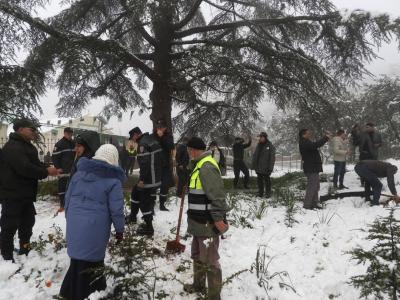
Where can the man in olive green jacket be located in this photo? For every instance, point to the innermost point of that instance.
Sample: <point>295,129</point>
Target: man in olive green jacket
<point>206,219</point>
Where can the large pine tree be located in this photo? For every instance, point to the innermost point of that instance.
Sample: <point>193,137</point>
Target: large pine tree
<point>215,60</point>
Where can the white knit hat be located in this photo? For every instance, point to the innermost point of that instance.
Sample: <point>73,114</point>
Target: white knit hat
<point>107,153</point>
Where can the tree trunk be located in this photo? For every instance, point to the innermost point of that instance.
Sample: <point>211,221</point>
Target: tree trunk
<point>160,95</point>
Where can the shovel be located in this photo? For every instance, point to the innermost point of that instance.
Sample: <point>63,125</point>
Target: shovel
<point>175,247</point>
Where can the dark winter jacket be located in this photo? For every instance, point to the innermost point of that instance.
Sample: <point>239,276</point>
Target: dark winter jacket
<point>312,162</point>
<point>182,156</point>
<point>369,145</point>
<point>382,169</point>
<point>238,149</point>
<point>93,201</point>
<point>22,169</point>
<point>150,161</point>
<point>91,140</point>
<point>221,161</point>
<point>64,155</point>
<point>167,145</point>
<point>264,158</point>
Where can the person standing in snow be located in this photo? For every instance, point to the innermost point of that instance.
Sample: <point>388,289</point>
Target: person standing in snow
<point>370,171</point>
<point>219,156</point>
<point>312,165</point>
<point>131,158</point>
<point>19,177</point>
<point>370,142</point>
<point>182,163</point>
<point>355,141</point>
<point>206,215</point>
<point>166,141</point>
<point>63,158</point>
<point>263,164</point>
<point>93,202</point>
<point>144,192</point>
<point>238,161</point>
<point>340,151</point>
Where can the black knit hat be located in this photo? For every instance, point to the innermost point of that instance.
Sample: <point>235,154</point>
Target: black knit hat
<point>23,122</point>
<point>68,129</point>
<point>196,143</point>
<point>264,134</point>
<point>161,124</point>
<point>135,130</point>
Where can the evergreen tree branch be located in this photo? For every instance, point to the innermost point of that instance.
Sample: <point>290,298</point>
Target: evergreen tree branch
<point>243,23</point>
<point>189,16</point>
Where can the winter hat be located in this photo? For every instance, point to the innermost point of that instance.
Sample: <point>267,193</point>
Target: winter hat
<point>135,130</point>
<point>264,134</point>
<point>107,153</point>
<point>196,143</point>
<point>24,122</point>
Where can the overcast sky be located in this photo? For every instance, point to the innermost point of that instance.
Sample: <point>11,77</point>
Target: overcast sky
<point>389,64</point>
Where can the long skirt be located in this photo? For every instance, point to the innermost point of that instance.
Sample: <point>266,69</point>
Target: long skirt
<point>80,280</point>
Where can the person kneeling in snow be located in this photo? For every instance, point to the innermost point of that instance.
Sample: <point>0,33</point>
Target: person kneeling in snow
<point>370,171</point>
<point>93,201</point>
<point>206,214</point>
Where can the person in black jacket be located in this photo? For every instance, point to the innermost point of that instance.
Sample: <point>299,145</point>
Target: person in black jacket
<point>149,156</point>
<point>371,171</point>
<point>19,176</point>
<point>238,161</point>
<point>63,158</point>
<point>218,155</point>
<point>370,142</point>
<point>182,163</point>
<point>263,164</point>
<point>312,165</point>
<point>166,141</point>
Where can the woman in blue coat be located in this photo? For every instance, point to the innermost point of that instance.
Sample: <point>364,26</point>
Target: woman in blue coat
<point>93,202</point>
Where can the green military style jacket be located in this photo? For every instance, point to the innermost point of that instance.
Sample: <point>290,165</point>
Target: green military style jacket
<point>213,187</point>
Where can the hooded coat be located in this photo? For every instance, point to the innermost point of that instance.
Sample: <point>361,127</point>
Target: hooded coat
<point>93,202</point>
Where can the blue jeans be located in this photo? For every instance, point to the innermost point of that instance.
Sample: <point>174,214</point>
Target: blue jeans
<point>370,180</point>
<point>340,170</point>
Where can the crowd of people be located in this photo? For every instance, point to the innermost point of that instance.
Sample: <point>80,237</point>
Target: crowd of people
<point>369,168</point>
<point>90,188</point>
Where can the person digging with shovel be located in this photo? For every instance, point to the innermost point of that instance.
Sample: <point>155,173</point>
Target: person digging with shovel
<point>206,220</point>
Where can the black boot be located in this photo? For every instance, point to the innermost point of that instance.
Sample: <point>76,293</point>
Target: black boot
<point>163,199</point>
<point>146,228</point>
<point>214,279</point>
<point>24,248</point>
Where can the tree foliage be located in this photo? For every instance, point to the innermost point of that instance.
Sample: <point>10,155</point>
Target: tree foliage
<point>215,68</point>
<point>383,271</point>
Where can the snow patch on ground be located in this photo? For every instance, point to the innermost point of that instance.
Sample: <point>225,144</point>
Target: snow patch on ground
<point>313,253</point>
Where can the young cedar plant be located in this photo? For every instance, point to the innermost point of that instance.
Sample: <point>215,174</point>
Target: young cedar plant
<point>382,279</point>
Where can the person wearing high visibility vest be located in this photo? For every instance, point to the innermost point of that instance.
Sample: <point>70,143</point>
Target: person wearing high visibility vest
<point>206,219</point>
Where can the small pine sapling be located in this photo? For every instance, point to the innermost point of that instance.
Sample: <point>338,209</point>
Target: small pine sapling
<point>383,272</point>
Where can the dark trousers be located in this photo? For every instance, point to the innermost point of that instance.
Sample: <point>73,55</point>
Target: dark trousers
<point>81,280</point>
<point>370,180</point>
<point>240,166</point>
<point>183,177</point>
<point>143,199</point>
<point>16,214</point>
<point>130,164</point>
<point>166,182</point>
<point>62,188</point>
<point>340,170</point>
<point>264,181</point>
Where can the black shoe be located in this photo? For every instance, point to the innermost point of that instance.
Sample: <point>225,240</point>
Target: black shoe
<point>192,289</point>
<point>163,208</point>
<point>24,249</point>
<point>375,203</point>
<point>268,195</point>
<point>342,187</point>
<point>318,207</point>
<point>145,229</point>
<point>309,208</point>
<point>131,220</point>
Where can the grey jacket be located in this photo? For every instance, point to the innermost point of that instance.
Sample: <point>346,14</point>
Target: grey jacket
<point>264,158</point>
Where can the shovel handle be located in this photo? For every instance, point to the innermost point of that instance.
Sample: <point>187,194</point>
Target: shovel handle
<point>178,229</point>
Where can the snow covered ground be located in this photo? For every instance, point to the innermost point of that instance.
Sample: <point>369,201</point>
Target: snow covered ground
<point>312,252</point>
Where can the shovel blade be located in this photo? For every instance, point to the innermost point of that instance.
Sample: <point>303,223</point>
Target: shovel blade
<point>174,247</point>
